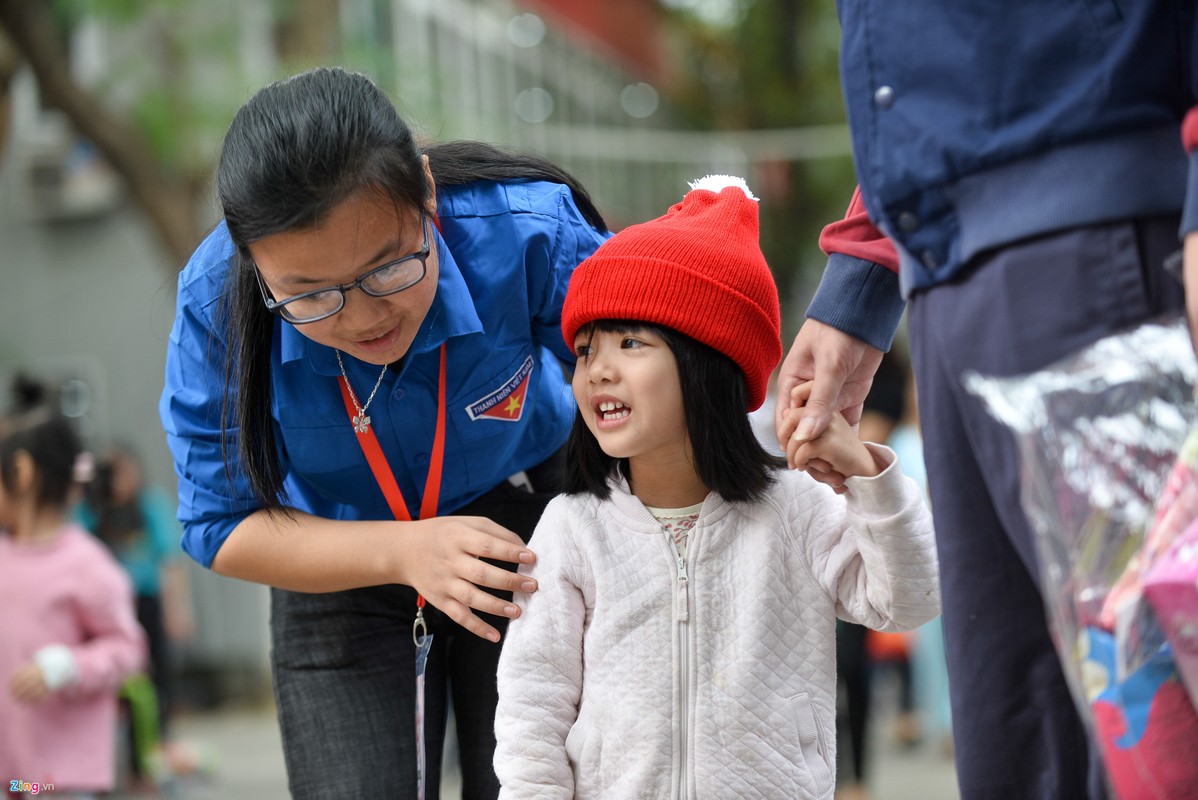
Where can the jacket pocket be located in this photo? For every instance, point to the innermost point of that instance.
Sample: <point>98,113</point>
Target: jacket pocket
<point>584,751</point>
<point>813,745</point>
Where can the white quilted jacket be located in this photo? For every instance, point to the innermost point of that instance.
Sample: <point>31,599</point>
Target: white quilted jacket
<point>630,675</point>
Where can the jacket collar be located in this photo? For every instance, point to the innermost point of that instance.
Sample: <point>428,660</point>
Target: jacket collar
<point>629,505</point>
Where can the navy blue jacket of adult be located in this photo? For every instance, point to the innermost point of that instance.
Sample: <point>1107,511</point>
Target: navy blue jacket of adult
<point>507,251</point>
<point>1026,117</point>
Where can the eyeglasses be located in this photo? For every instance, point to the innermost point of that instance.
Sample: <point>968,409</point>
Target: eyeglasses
<point>391,278</point>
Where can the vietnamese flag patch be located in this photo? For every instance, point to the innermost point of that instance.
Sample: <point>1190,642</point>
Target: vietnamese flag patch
<point>507,402</point>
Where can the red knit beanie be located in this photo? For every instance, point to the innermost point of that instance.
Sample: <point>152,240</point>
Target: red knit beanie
<point>698,270</point>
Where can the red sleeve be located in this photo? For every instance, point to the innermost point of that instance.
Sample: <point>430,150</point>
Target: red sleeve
<point>1189,130</point>
<point>856,236</point>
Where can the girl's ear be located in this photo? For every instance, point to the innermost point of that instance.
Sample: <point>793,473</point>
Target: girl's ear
<point>430,205</point>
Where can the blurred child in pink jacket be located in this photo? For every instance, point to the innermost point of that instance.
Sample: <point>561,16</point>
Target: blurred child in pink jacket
<point>68,631</point>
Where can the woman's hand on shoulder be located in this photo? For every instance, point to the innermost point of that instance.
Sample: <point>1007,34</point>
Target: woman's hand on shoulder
<point>449,567</point>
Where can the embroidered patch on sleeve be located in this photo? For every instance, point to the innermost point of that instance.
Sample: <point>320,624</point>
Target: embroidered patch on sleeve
<point>506,402</point>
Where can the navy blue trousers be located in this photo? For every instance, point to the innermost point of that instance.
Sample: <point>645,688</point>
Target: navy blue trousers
<point>1017,309</point>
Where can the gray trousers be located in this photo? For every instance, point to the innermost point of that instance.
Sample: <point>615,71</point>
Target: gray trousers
<point>1017,309</point>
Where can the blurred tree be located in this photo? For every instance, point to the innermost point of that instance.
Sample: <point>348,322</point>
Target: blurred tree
<point>161,109</point>
<point>167,197</point>
<point>8,68</point>
<point>306,30</point>
<point>761,64</point>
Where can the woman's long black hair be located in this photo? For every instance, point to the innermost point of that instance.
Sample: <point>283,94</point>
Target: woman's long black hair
<point>296,150</point>
<point>729,459</point>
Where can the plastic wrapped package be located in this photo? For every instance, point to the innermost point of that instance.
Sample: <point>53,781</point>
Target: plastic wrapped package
<point>1169,577</point>
<point>1112,498</point>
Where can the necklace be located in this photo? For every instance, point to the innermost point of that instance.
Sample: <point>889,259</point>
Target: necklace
<point>360,421</point>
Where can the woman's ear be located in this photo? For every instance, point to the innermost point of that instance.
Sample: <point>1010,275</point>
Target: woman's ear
<point>430,204</point>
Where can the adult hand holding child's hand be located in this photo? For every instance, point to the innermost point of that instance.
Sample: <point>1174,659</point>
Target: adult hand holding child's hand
<point>833,456</point>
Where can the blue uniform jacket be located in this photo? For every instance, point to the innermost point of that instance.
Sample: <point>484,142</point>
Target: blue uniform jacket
<point>976,123</point>
<point>507,252</point>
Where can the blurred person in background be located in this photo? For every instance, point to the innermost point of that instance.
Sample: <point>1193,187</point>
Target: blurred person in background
<point>889,654</point>
<point>854,665</point>
<point>366,405</point>
<point>69,632</point>
<point>929,670</point>
<point>137,521</point>
<point>853,675</point>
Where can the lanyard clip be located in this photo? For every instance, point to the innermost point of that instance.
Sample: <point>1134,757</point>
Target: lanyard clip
<point>419,627</point>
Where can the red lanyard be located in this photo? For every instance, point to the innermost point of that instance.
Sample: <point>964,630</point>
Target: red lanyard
<point>382,470</point>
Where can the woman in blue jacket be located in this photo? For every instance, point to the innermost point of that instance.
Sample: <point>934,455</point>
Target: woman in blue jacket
<point>365,401</point>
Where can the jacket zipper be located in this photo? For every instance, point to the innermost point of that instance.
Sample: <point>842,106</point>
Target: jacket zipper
<point>682,614</point>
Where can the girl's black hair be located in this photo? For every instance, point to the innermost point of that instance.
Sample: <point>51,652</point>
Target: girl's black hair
<point>296,150</point>
<point>729,459</point>
<point>52,442</point>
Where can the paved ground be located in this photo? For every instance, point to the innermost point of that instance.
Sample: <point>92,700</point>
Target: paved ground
<point>244,744</point>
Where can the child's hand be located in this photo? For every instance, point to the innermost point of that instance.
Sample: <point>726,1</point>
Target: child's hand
<point>28,685</point>
<point>832,457</point>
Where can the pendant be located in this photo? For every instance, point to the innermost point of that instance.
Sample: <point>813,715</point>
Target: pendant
<point>361,422</point>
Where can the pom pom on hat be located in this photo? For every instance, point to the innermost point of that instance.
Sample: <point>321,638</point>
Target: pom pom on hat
<point>698,270</point>
<point>716,183</point>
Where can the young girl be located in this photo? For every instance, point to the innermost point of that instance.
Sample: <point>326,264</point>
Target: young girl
<point>68,628</point>
<point>682,639</point>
